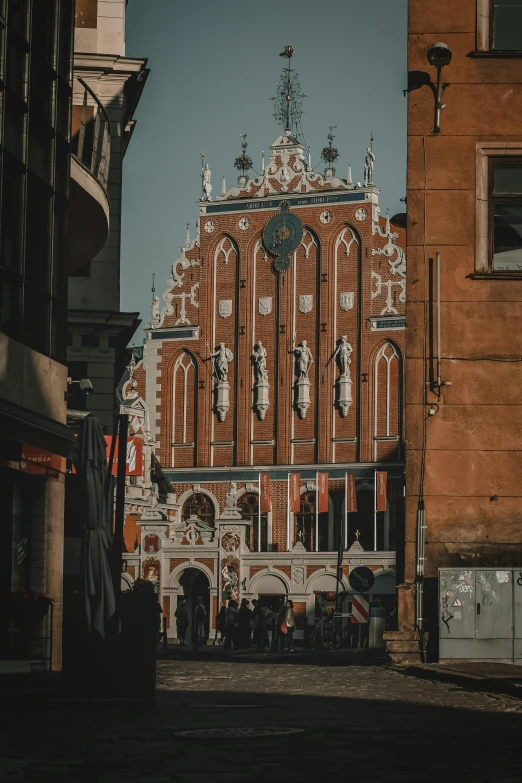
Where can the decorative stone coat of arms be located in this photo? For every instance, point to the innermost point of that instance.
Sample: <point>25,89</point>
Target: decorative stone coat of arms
<point>225,308</point>
<point>346,300</point>
<point>306,302</point>
<point>265,305</point>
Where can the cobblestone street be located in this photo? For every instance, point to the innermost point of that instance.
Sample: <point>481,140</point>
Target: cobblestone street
<point>360,722</point>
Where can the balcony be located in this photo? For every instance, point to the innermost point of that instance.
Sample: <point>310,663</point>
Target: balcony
<point>89,213</point>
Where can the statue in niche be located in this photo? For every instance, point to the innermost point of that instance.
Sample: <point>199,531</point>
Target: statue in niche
<point>222,357</point>
<point>231,501</point>
<point>206,176</point>
<point>259,357</point>
<point>304,358</point>
<point>343,354</point>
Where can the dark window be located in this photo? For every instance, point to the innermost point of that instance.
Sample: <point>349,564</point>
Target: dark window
<point>506,215</point>
<point>77,371</point>
<point>201,506</point>
<point>305,521</point>
<point>507,24</point>
<point>90,341</point>
<point>249,508</point>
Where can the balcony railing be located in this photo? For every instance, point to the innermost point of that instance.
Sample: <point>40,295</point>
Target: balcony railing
<point>94,139</point>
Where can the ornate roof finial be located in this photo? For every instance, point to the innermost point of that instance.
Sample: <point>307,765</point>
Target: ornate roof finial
<point>244,162</point>
<point>262,162</point>
<point>330,154</point>
<point>223,187</point>
<point>349,180</point>
<point>288,100</point>
<point>309,167</point>
<point>187,236</point>
<point>368,163</point>
<point>155,305</point>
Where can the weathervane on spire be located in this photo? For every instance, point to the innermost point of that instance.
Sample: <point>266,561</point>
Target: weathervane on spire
<point>244,162</point>
<point>288,100</point>
<point>330,154</point>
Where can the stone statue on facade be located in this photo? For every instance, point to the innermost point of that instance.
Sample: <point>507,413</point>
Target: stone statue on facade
<point>368,166</point>
<point>222,357</point>
<point>304,358</point>
<point>231,501</point>
<point>343,354</point>
<point>154,312</point>
<point>206,176</point>
<point>259,357</point>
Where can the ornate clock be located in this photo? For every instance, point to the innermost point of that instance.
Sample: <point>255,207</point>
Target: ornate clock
<point>282,235</point>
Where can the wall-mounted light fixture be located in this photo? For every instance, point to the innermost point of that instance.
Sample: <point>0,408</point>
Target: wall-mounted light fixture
<point>438,55</point>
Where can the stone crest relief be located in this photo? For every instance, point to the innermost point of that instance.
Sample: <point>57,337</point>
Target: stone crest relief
<point>265,305</point>
<point>306,303</point>
<point>225,308</point>
<point>346,300</point>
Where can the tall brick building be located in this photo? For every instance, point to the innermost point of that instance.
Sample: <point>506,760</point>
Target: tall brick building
<point>276,351</point>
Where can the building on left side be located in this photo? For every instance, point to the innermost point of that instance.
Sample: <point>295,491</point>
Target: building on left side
<point>36,61</point>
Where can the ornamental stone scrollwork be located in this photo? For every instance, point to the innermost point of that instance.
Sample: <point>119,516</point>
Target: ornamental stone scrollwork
<point>342,356</point>
<point>192,297</point>
<point>176,280</point>
<point>222,357</point>
<point>304,361</point>
<point>397,267</point>
<point>261,386</point>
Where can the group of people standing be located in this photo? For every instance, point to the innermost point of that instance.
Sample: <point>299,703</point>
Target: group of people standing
<point>240,627</point>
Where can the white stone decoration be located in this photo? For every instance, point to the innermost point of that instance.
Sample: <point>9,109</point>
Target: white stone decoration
<point>193,530</point>
<point>176,280</point>
<point>155,311</point>
<point>231,510</point>
<point>222,357</point>
<point>304,361</point>
<point>261,386</point>
<point>397,267</point>
<point>346,299</point>
<point>265,305</point>
<point>306,303</point>
<point>225,308</point>
<point>325,217</point>
<point>361,214</point>
<point>368,166</point>
<point>244,223</point>
<point>191,296</point>
<point>342,355</point>
<point>298,575</point>
<point>206,176</point>
<point>209,226</point>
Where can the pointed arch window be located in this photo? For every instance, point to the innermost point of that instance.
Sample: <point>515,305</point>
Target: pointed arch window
<point>184,385</point>
<point>387,403</point>
<point>248,504</point>
<point>225,251</point>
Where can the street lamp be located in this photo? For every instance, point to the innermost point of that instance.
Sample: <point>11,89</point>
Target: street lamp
<point>438,55</point>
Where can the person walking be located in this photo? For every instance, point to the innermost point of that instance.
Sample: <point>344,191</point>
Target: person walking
<point>231,625</point>
<point>255,625</point>
<point>266,623</point>
<point>200,615</point>
<point>182,621</point>
<point>243,620</point>
<point>221,621</point>
<point>289,620</point>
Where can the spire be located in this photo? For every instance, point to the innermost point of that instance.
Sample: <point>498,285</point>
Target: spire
<point>223,187</point>
<point>244,162</point>
<point>330,154</point>
<point>349,180</point>
<point>288,100</point>
<point>263,162</point>
<point>187,236</point>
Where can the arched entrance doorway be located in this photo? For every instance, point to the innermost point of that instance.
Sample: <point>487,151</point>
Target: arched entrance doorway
<point>194,584</point>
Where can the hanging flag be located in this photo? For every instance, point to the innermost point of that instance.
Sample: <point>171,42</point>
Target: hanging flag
<point>322,499</point>
<point>351,495</point>
<point>295,491</point>
<point>380,493</point>
<point>264,485</point>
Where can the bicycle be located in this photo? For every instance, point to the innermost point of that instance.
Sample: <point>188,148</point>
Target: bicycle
<point>326,636</point>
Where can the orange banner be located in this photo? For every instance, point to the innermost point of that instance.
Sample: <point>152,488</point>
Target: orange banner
<point>381,478</point>
<point>264,485</point>
<point>295,491</point>
<point>39,461</point>
<point>322,487</point>
<point>351,494</point>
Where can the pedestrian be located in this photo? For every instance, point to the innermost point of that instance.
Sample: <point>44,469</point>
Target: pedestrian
<point>243,621</point>
<point>221,624</point>
<point>266,623</point>
<point>254,623</point>
<point>200,615</point>
<point>231,625</point>
<point>289,621</point>
<point>182,621</point>
<point>278,623</point>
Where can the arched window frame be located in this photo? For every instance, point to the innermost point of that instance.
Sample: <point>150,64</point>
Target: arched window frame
<point>381,355</point>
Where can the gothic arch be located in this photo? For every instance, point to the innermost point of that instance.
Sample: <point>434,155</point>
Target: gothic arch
<point>224,248</point>
<point>176,573</point>
<point>184,383</point>
<point>266,572</point>
<point>386,422</point>
<point>201,491</point>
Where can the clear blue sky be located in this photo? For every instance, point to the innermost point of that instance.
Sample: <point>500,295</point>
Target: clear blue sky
<point>214,65</point>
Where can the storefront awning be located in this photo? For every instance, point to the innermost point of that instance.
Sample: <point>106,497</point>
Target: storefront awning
<point>24,425</point>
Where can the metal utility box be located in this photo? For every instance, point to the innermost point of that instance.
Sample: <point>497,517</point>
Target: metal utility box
<point>480,614</point>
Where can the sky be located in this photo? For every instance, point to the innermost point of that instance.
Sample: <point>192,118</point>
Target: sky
<point>214,65</point>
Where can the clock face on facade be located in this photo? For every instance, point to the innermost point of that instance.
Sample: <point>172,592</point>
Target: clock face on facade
<point>361,214</point>
<point>282,235</point>
<point>210,226</point>
<point>244,223</point>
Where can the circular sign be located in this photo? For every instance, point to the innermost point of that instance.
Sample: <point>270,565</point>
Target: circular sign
<point>282,235</point>
<point>361,579</point>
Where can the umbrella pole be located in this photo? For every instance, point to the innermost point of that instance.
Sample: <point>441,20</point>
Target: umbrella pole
<point>119,516</point>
